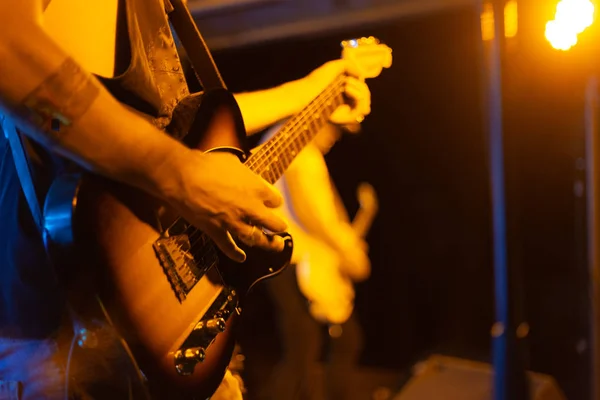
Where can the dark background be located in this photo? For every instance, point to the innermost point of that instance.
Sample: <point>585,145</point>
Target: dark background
<point>424,148</point>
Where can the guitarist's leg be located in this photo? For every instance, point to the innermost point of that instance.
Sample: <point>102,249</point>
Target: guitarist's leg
<point>343,357</point>
<point>99,364</point>
<point>301,338</point>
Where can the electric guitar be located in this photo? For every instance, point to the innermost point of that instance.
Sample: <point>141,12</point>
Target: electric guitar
<point>165,287</point>
<point>329,291</point>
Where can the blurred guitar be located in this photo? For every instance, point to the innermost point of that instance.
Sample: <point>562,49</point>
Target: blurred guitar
<point>321,278</point>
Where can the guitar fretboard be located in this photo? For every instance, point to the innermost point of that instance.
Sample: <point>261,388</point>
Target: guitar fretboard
<point>273,158</point>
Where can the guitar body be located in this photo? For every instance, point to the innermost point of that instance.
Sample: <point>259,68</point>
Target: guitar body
<point>168,291</point>
<point>329,290</point>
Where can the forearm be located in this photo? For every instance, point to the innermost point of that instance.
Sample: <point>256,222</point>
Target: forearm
<point>263,108</point>
<point>105,137</point>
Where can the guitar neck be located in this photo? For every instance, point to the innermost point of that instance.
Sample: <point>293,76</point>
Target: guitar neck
<point>273,158</point>
<point>367,198</point>
<point>361,224</point>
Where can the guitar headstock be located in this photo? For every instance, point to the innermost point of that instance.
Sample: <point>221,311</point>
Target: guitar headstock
<point>367,198</point>
<point>367,55</point>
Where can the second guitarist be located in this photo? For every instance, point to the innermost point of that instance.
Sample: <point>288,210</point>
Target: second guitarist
<point>324,235</point>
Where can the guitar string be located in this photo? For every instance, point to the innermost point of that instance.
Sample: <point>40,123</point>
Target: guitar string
<point>323,96</point>
<point>283,135</point>
<point>273,161</point>
<point>328,94</point>
<point>274,147</point>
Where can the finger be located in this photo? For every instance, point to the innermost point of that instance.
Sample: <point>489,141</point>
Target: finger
<point>357,82</point>
<point>226,244</point>
<point>268,220</point>
<point>358,85</point>
<point>254,236</point>
<point>271,197</point>
<point>249,235</point>
<point>344,112</point>
<point>361,96</point>
<point>271,242</point>
<point>360,100</point>
<point>346,116</point>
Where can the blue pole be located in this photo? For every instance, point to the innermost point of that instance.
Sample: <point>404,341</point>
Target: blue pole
<point>510,381</point>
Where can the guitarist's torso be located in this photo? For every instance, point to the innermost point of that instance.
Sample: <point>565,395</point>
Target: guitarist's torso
<point>128,45</point>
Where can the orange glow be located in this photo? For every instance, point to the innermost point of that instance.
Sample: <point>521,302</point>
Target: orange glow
<point>511,20</point>
<point>487,22</point>
<point>572,18</point>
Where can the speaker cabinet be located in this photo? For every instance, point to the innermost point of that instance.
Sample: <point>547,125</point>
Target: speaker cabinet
<point>449,378</point>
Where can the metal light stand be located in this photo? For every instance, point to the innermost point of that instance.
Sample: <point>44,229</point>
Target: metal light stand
<point>510,380</point>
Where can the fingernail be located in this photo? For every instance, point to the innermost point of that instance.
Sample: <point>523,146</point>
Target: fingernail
<point>278,240</point>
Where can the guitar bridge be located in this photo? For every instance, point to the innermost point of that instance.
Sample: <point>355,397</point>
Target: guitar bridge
<point>185,255</point>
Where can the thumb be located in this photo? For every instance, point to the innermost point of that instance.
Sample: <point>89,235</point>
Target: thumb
<point>226,244</point>
<point>272,198</point>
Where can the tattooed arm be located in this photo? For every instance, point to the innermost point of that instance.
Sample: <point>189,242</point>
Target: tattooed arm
<point>40,80</point>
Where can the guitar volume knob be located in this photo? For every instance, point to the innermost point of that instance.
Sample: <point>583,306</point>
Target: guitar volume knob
<point>211,326</point>
<point>186,359</point>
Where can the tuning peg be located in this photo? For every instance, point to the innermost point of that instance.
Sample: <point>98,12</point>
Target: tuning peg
<point>353,43</point>
<point>369,40</point>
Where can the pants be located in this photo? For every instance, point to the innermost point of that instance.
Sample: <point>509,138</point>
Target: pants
<point>36,369</point>
<point>302,339</point>
<point>28,370</point>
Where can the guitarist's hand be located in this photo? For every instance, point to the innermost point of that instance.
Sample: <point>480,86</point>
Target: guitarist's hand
<point>220,196</point>
<point>359,97</point>
<point>356,91</point>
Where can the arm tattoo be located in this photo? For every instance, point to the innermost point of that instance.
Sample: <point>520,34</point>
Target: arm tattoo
<point>62,98</point>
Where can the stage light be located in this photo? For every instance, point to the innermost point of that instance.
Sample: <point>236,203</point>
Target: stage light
<point>572,18</point>
<point>511,19</point>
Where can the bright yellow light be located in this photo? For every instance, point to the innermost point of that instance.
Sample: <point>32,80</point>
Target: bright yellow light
<point>561,37</point>
<point>511,19</point>
<point>577,14</point>
<point>572,17</point>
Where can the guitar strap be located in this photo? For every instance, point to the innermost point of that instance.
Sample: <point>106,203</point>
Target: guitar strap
<point>22,165</point>
<point>194,45</point>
